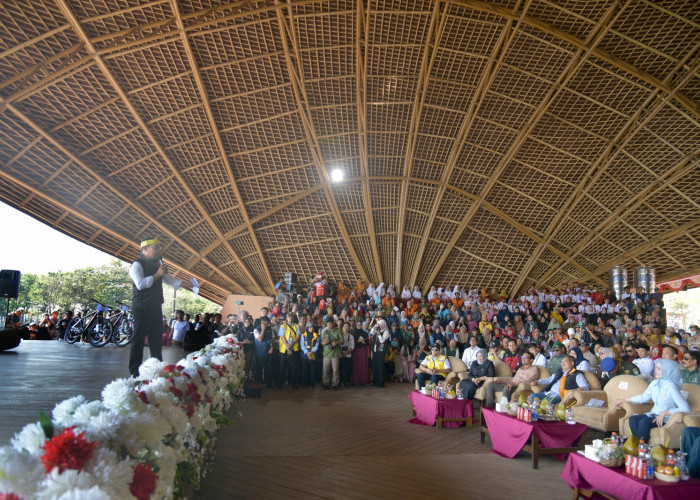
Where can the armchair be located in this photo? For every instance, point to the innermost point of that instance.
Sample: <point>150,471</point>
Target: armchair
<point>501,369</point>
<point>671,431</point>
<point>605,418</point>
<point>591,378</point>
<point>457,367</point>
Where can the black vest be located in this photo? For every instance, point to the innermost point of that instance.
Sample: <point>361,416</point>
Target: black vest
<point>570,382</point>
<point>148,297</point>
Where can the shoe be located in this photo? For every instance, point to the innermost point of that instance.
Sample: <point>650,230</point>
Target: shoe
<point>326,387</point>
<point>335,387</point>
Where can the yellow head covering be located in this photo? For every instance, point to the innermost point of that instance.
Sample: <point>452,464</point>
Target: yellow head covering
<point>154,241</point>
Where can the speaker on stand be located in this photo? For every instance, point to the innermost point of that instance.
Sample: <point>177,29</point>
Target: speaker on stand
<point>9,286</point>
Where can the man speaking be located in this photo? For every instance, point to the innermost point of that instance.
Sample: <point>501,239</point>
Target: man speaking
<point>148,274</point>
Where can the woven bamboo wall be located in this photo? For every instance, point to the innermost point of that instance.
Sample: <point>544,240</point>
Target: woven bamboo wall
<point>483,143</point>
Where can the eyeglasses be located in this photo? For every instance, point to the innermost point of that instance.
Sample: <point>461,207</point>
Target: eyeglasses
<point>629,350</point>
<point>686,358</point>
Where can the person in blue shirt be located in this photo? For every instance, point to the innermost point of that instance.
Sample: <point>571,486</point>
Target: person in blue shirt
<point>665,394</point>
<point>309,347</point>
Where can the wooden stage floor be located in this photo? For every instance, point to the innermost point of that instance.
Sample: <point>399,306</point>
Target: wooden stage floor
<point>351,443</point>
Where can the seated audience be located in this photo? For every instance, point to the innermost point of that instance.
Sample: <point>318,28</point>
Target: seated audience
<point>566,379</point>
<point>666,396</point>
<point>525,375</point>
<point>479,371</point>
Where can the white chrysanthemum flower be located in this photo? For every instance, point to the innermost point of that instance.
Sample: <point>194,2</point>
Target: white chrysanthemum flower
<point>84,413</point>
<point>113,474</point>
<point>31,438</point>
<point>70,485</point>
<point>151,368</point>
<point>150,427</point>
<point>177,418</point>
<point>20,472</point>
<point>119,395</point>
<point>103,427</point>
<point>94,493</point>
<point>63,411</point>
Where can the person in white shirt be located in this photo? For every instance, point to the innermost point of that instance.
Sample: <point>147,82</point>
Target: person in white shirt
<point>380,342</point>
<point>417,293</point>
<point>470,352</point>
<point>645,364</point>
<point>148,273</point>
<point>540,359</point>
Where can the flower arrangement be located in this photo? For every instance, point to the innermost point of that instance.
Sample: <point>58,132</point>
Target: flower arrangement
<point>148,437</point>
<point>609,454</point>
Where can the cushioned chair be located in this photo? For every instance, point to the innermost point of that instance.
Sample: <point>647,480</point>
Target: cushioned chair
<point>671,430</point>
<point>591,378</point>
<point>457,366</point>
<point>605,418</point>
<point>502,371</point>
<point>526,388</point>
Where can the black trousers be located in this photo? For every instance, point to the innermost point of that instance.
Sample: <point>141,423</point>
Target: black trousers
<point>378,368</point>
<point>308,372</point>
<point>345,371</point>
<point>290,368</point>
<point>147,322</point>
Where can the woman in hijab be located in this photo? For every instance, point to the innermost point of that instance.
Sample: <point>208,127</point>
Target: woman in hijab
<point>408,359</point>
<point>359,374</point>
<point>479,371</point>
<point>666,396</point>
<point>581,363</point>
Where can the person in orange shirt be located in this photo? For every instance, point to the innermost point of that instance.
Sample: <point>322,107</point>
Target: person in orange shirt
<point>458,301</point>
<point>411,307</point>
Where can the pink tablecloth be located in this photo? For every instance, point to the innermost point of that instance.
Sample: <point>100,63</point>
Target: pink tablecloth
<point>509,435</point>
<point>580,472</point>
<point>428,409</point>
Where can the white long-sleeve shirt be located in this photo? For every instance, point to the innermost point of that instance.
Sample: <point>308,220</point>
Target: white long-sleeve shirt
<point>142,282</point>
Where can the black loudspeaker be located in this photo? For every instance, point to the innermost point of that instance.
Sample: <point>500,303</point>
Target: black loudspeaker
<point>289,277</point>
<point>9,283</point>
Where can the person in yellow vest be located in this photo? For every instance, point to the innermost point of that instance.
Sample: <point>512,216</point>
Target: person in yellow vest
<point>309,347</point>
<point>435,366</point>
<point>290,360</point>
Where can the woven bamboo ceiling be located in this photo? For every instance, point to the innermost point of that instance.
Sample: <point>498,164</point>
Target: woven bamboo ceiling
<point>483,143</point>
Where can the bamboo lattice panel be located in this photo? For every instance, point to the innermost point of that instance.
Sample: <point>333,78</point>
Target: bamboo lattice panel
<point>483,143</point>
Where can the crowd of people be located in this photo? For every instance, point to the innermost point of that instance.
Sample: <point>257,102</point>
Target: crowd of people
<point>344,336</point>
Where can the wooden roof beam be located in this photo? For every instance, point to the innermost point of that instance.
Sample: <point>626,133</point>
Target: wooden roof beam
<point>204,96</point>
<point>564,77</point>
<point>37,192</point>
<point>361,23</point>
<point>686,102</point>
<point>487,77</point>
<point>641,117</point>
<point>80,31</point>
<point>430,48</point>
<point>648,245</point>
<point>299,89</point>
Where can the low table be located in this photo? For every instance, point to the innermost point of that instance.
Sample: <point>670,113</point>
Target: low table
<point>441,412</point>
<point>587,478</point>
<point>510,435</point>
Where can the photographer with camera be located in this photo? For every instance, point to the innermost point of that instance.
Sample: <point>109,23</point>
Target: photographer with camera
<point>331,340</point>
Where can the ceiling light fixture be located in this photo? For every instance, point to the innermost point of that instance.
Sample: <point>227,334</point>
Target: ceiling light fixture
<point>337,175</point>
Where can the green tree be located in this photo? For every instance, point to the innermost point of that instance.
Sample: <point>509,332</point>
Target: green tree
<point>188,302</point>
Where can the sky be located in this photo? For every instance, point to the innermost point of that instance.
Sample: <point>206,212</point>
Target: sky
<point>39,249</point>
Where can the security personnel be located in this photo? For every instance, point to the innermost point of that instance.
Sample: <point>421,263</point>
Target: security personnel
<point>148,274</point>
<point>436,366</point>
<point>309,347</point>
<point>289,351</point>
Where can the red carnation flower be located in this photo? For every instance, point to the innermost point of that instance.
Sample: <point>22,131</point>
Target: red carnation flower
<point>143,483</point>
<point>176,392</point>
<point>10,496</point>
<point>67,451</point>
<point>169,368</point>
<point>143,397</point>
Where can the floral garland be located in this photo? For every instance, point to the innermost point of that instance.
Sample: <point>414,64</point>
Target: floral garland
<point>149,437</point>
